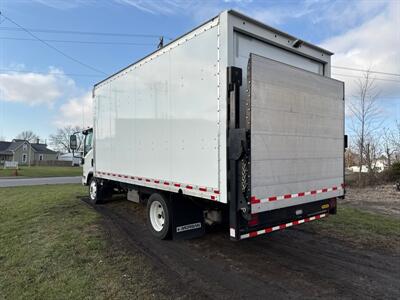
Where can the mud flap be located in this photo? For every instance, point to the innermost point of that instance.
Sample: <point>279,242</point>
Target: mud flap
<point>187,219</point>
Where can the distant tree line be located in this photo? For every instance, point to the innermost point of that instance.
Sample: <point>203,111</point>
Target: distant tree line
<point>370,140</point>
<point>59,141</point>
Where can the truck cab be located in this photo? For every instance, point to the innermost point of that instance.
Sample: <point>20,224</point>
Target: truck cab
<point>87,159</point>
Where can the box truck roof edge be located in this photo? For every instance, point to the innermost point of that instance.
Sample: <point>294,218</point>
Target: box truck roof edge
<point>232,12</point>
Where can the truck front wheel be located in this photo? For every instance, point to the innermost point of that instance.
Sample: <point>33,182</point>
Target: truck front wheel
<point>159,216</point>
<point>96,191</point>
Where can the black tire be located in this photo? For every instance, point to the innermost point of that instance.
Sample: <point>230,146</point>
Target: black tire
<point>98,196</point>
<point>161,202</point>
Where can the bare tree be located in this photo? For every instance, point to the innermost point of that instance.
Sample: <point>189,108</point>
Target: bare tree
<point>60,140</point>
<point>395,136</point>
<point>388,145</point>
<point>350,158</point>
<point>395,140</point>
<point>372,153</point>
<point>28,136</point>
<point>365,116</point>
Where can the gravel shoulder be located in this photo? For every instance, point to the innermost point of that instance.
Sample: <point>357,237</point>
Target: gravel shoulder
<point>383,199</point>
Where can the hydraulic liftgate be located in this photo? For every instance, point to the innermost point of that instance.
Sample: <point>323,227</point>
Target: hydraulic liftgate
<point>285,146</point>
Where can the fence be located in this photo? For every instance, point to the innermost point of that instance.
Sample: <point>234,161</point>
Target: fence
<point>10,164</point>
<point>52,163</point>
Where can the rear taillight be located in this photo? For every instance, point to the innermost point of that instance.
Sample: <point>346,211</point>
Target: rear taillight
<point>254,220</point>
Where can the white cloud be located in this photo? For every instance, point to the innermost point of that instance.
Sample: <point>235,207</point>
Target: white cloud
<point>62,4</point>
<point>77,111</point>
<point>374,44</point>
<point>344,14</point>
<point>166,7</point>
<point>34,88</point>
<point>325,12</point>
<point>49,89</point>
<point>274,15</point>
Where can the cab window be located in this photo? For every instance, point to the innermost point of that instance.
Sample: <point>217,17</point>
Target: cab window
<point>88,142</point>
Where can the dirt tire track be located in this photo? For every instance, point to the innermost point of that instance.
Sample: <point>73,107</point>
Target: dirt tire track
<point>290,264</point>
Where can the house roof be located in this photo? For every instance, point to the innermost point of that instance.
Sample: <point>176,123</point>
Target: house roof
<point>4,145</point>
<point>4,148</point>
<point>42,148</point>
<point>8,147</point>
<point>15,144</point>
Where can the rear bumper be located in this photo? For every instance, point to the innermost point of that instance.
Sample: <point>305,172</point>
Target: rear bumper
<point>281,226</point>
<point>273,220</point>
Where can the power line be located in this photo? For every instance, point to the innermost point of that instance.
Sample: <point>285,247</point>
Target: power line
<point>354,76</point>
<point>86,32</point>
<point>79,42</point>
<point>92,75</point>
<point>49,73</point>
<point>361,70</point>
<point>149,36</point>
<point>54,48</point>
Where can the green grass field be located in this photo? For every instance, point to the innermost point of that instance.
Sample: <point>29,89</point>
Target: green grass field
<point>52,246</point>
<point>364,229</point>
<point>39,171</point>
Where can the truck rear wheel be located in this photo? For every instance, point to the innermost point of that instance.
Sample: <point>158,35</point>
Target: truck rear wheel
<point>159,216</point>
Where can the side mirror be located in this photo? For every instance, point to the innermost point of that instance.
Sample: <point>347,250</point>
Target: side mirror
<point>346,145</point>
<point>73,142</point>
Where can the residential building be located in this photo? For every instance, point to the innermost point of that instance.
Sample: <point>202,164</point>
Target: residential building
<point>25,153</point>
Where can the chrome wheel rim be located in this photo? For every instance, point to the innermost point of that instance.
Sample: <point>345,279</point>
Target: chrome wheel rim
<point>93,190</point>
<point>157,216</point>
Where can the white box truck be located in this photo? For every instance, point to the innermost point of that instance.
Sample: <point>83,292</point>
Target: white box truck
<point>234,122</point>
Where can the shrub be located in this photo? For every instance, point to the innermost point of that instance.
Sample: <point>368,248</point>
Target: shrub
<point>395,170</point>
<point>391,174</point>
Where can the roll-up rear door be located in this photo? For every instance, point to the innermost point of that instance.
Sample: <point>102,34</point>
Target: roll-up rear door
<point>297,130</point>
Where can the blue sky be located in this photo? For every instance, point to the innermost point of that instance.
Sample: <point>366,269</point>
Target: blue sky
<point>41,89</point>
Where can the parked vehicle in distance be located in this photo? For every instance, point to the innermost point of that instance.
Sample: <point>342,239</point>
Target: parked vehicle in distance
<point>75,158</point>
<point>234,122</point>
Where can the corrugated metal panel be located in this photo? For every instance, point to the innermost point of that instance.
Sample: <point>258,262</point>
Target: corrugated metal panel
<point>297,120</point>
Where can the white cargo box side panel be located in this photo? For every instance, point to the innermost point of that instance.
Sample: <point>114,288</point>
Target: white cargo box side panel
<point>157,122</point>
<point>297,122</point>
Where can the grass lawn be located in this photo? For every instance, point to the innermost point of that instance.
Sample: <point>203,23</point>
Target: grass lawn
<point>40,171</point>
<point>52,246</point>
<point>366,229</point>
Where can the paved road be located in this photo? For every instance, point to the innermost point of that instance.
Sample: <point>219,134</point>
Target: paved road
<point>39,181</point>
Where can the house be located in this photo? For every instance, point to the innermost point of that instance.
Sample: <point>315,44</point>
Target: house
<point>356,169</point>
<point>379,165</point>
<point>75,159</point>
<point>25,153</point>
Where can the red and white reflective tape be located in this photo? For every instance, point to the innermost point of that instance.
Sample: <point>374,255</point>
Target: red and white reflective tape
<point>255,200</point>
<point>213,193</point>
<point>282,226</point>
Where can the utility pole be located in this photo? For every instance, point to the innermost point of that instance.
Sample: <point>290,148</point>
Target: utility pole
<point>29,154</point>
<point>161,43</point>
